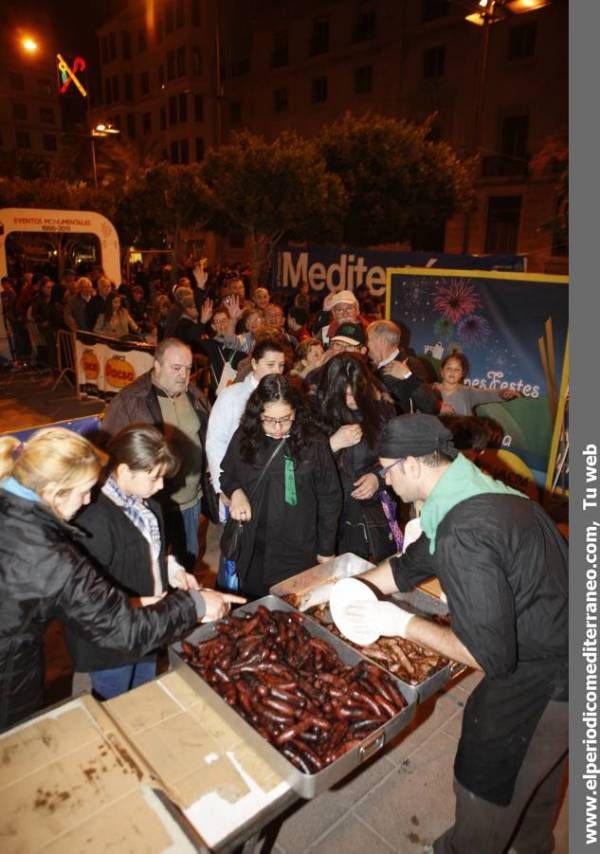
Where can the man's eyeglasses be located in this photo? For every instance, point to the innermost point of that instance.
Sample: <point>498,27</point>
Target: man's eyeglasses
<point>383,471</point>
<point>277,422</point>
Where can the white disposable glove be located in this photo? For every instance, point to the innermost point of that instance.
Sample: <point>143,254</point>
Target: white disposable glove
<point>387,618</point>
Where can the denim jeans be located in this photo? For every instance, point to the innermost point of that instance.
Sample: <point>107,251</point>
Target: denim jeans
<point>117,680</point>
<point>191,520</point>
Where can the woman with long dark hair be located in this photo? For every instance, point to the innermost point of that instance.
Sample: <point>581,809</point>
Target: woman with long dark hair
<point>280,477</point>
<point>115,321</point>
<point>353,407</point>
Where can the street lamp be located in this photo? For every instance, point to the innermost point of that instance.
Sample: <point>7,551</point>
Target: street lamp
<point>100,130</point>
<point>29,44</point>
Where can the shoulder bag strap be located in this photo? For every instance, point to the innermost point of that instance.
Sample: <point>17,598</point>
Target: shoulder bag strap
<point>267,464</point>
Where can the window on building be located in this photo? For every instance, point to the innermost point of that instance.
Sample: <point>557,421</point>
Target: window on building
<point>198,108</point>
<point>179,13</point>
<point>16,80</point>
<point>172,110</point>
<point>235,112</point>
<point>23,139</point>
<point>144,83</point>
<point>115,87</point>
<point>112,46</point>
<point>363,79</point>
<point>142,39</point>
<point>131,125</point>
<point>20,112</point>
<point>280,52</point>
<point>126,44</point>
<point>240,66</point>
<point>502,232</point>
<point>161,75</point>
<point>163,118</point>
<point>47,115</point>
<point>319,90</point>
<point>160,31</point>
<point>521,41</point>
<point>199,149</point>
<point>196,13</point>
<point>319,38</point>
<point>104,49</point>
<point>169,16</point>
<point>183,107</point>
<point>107,90</point>
<point>171,64</point>
<point>174,152</point>
<point>434,60</point>
<point>146,123</point>
<point>184,151</point>
<point>513,141</point>
<point>128,86</point>
<point>44,86</point>
<point>181,72</point>
<point>433,9</point>
<point>280,100</point>
<point>196,61</point>
<point>366,20</point>
<point>49,142</point>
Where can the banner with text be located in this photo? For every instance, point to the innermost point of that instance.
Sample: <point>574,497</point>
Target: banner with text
<point>512,327</point>
<point>327,268</point>
<point>106,365</point>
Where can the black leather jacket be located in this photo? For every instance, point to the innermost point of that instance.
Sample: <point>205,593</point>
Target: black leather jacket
<point>44,576</point>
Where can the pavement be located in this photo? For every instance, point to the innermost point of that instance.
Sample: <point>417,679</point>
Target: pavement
<point>399,801</point>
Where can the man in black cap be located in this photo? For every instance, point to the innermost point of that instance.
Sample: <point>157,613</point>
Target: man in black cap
<point>502,565</point>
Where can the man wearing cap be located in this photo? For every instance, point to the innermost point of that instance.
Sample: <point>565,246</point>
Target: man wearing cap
<point>344,308</point>
<point>502,565</point>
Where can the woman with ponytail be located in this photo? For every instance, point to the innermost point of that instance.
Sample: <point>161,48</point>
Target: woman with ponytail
<point>45,573</point>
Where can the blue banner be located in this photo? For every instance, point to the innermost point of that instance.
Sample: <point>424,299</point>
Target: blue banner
<point>512,327</point>
<point>327,268</point>
<point>87,425</point>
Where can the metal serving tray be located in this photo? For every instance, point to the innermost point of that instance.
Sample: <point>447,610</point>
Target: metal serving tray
<point>306,785</point>
<point>422,604</point>
<point>313,586</point>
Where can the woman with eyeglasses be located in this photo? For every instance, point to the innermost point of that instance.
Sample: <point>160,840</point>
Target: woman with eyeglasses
<point>291,513</point>
<point>353,407</point>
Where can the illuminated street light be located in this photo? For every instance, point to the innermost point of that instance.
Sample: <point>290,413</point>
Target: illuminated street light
<point>29,44</point>
<point>105,130</point>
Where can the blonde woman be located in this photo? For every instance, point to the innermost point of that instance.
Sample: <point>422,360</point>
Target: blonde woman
<point>45,574</point>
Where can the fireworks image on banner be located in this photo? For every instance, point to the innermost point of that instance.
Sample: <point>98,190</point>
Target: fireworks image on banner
<point>455,299</point>
<point>473,330</point>
<point>443,329</point>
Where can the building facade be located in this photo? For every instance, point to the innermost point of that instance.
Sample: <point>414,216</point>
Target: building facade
<point>30,115</point>
<point>197,70</point>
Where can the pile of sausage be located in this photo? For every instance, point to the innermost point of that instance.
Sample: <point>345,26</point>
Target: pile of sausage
<point>293,688</point>
<point>406,660</point>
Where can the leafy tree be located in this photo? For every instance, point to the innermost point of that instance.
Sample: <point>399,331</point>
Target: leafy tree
<point>395,179</point>
<point>160,203</point>
<point>270,190</point>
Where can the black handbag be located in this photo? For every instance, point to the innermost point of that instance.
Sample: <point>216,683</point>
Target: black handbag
<point>231,538</point>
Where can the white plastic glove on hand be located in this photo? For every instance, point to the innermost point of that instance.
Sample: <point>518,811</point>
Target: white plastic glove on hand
<point>389,619</point>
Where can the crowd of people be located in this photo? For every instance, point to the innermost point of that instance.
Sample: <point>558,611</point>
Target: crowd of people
<point>318,430</point>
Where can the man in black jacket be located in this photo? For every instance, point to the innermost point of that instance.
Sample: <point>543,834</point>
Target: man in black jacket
<point>402,375</point>
<point>503,566</point>
<point>163,397</point>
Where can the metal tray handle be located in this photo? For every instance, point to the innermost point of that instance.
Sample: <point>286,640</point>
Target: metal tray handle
<point>371,746</point>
